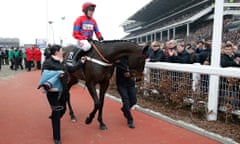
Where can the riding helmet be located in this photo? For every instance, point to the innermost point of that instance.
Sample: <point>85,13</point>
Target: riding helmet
<point>87,5</point>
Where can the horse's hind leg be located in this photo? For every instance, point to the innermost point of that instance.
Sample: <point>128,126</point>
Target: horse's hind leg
<point>92,90</point>
<point>71,113</point>
<point>103,89</point>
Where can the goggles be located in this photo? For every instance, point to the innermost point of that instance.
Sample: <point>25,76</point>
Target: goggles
<point>91,8</point>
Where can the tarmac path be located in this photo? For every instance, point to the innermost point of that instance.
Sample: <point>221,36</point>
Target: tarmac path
<point>24,119</point>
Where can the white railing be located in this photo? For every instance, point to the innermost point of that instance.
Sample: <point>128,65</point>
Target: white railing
<point>196,70</point>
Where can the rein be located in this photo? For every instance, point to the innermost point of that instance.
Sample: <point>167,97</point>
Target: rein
<point>99,53</point>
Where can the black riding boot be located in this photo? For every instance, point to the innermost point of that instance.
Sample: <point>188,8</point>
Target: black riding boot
<point>73,55</point>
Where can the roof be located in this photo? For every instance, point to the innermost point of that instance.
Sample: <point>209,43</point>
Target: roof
<point>160,8</point>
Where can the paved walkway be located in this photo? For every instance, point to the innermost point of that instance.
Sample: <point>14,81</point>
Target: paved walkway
<point>24,119</point>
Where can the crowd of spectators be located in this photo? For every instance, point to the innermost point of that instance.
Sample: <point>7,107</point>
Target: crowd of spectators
<point>196,48</point>
<point>178,51</point>
<point>21,58</point>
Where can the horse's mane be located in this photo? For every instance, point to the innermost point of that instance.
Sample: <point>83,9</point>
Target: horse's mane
<point>115,41</point>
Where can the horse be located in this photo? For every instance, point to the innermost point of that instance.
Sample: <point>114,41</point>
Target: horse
<point>99,68</point>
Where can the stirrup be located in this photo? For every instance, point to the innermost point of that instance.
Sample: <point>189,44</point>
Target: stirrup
<point>69,62</point>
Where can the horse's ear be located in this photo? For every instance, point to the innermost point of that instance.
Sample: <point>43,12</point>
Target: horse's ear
<point>145,49</point>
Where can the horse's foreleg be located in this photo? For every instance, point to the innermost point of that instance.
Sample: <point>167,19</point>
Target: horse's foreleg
<point>103,89</point>
<point>71,113</point>
<point>93,93</point>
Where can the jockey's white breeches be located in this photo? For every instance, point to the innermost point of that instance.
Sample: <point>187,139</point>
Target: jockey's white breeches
<point>84,45</point>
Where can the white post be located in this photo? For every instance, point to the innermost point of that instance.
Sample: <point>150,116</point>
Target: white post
<point>195,79</point>
<point>215,60</point>
<point>161,35</point>
<point>146,80</point>
<point>168,34</point>
<point>174,32</point>
<point>188,29</point>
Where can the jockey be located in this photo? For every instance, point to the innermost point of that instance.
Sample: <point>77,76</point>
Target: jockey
<point>83,30</point>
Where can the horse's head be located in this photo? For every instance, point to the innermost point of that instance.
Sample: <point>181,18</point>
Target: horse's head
<point>136,64</point>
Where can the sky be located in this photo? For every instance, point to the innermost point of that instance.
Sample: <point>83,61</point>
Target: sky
<point>28,19</point>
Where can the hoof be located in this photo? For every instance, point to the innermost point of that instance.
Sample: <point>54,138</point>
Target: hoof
<point>88,120</point>
<point>73,119</point>
<point>57,142</point>
<point>103,127</point>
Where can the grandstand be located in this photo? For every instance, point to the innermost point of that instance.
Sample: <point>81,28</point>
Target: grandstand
<point>9,42</point>
<point>190,20</point>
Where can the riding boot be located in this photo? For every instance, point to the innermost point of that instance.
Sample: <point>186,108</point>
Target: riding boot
<point>72,59</point>
<point>73,55</point>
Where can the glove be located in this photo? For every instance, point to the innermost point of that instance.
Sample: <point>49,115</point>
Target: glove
<point>90,39</point>
<point>100,39</point>
<point>83,59</point>
<point>127,74</point>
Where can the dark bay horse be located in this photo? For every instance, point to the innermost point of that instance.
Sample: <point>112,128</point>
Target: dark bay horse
<point>99,69</point>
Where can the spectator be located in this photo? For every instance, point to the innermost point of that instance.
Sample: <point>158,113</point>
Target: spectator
<point>24,57</point>
<point>34,48</point>
<point>204,53</point>
<point>170,45</point>
<point>15,58</point>
<point>191,50</point>
<point>20,58</point>
<point>5,57</point>
<point>154,53</point>
<point>29,58</point>
<point>10,57</point>
<point>1,56</point>
<point>179,55</point>
<point>237,52</point>
<point>37,56</point>
<point>199,46</point>
<point>17,55</point>
<point>47,52</point>
<point>228,59</point>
